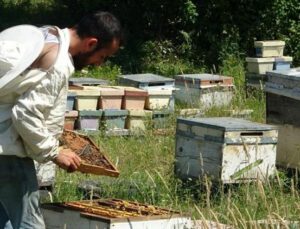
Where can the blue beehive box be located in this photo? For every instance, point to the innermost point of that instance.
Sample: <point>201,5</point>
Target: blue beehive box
<point>282,63</point>
<point>70,101</point>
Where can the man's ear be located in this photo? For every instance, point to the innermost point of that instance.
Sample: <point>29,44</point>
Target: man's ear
<point>91,44</point>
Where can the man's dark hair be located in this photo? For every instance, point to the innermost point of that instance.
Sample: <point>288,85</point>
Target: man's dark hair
<point>102,25</point>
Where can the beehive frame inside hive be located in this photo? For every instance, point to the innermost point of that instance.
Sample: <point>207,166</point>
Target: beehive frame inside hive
<point>111,213</point>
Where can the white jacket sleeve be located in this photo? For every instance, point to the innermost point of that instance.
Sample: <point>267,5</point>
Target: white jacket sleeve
<point>32,112</point>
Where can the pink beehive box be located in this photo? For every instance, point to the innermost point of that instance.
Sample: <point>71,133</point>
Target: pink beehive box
<point>134,98</point>
<point>70,118</point>
<point>110,98</point>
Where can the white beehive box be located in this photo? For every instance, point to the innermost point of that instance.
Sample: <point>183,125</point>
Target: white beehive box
<point>84,217</point>
<point>283,110</point>
<point>229,150</point>
<point>206,90</point>
<point>109,97</point>
<point>158,98</point>
<point>259,65</point>
<point>86,99</point>
<point>269,48</point>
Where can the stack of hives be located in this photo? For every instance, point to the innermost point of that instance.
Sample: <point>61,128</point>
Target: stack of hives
<point>159,101</point>
<point>269,56</point>
<point>94,106</point>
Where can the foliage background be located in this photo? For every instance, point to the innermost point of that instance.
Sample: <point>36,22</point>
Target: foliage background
<point>170,37</point>
<point>182,34</point>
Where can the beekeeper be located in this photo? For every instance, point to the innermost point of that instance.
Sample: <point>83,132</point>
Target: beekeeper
<point>35,64</point>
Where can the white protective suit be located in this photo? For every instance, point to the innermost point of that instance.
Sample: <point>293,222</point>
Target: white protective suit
<point>32,109</point>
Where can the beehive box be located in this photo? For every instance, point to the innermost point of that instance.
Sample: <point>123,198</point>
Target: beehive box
<point>111,214</point>
<point>229,150</point>
<point>146,80</point>
<point>134,98</point>
<point>283,110</point>
<point>269,48</point>
<point>110,98</point>
<point>89,119</point>
<point>70,100</point>
<point>158,98</point>
<point>260,65</point>
<point>70,119</point>
<point>255,79</point>
<point>282,63</point>
<point>86,99</point>
<point>149,81</point>
<point>94,160</point>
<point>206,90</point>
<point>86,81</point>
<point>137,120</point>
<point>114,119</point>
<point>255,82</point>
<point>160,118</point>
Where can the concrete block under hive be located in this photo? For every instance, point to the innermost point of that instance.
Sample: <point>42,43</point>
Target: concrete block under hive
<point>111,213</point>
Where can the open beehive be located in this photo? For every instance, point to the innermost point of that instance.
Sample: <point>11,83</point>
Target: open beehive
<point>93,160</point>
<point>111,213</point>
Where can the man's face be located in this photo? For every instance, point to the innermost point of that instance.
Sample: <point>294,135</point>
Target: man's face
<point>95,58</point>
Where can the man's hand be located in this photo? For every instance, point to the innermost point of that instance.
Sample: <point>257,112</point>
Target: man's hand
<point>68,160</point>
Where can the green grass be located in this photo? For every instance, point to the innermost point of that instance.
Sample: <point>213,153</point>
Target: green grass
<point>146,165</point>
<point>146,175</point>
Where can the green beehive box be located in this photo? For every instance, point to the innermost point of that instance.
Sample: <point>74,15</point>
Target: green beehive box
<point>160,119</point>
<point>114,118</point>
